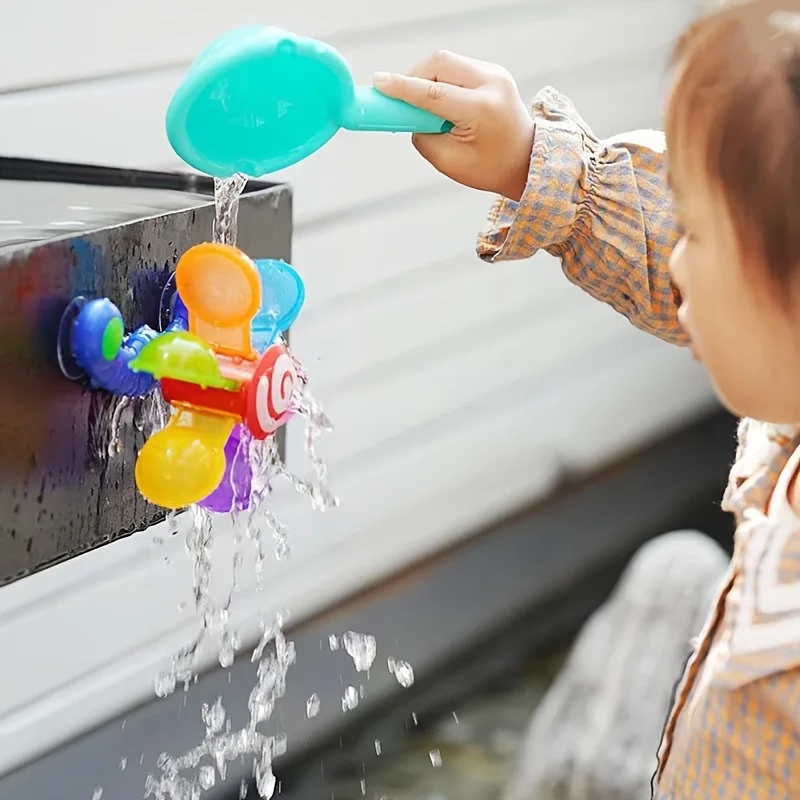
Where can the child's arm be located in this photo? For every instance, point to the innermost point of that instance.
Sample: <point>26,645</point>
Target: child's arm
<point>603,208</point>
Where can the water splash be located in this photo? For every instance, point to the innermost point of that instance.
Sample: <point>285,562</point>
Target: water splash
<point>121,405</point>
<point>267,466</point>
<point>150,413</point>
<point>306,406</point>
<point>222,746</point>
<point>199,540</point>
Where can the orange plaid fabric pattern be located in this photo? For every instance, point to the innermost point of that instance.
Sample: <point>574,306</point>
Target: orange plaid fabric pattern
<point>603,208</point>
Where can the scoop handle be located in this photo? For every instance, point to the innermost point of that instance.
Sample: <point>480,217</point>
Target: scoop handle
<point>372,111</point>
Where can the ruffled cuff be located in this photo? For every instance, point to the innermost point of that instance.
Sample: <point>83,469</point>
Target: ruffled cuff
<point>556,190</point>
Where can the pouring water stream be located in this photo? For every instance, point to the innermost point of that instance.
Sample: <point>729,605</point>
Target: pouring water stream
<point>189,776</point>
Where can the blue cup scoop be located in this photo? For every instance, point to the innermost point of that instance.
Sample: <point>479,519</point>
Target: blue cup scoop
<point>259,99</point>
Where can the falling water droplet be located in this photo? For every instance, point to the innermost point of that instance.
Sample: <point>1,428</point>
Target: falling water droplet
<point>227,651</point>
<point>362,648</point>
<point>403,671</point>
<point>165,683</point>
<point>206,777</point>
<point>378,748</point>
<point>123,762</point>
<point>98,793</point>
<point>436,758</point>
<point>213,716</point>
<point>350,699</point>
<point>312,706</point>
<point>265,781</point>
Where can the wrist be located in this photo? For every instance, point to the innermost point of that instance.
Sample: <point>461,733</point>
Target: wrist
<point>515,182</point>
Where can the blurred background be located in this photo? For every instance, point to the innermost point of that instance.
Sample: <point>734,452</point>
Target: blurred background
<point>491,418</point>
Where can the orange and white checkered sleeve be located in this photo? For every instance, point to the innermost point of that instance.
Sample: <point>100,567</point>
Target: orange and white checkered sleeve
<point>603,208</point>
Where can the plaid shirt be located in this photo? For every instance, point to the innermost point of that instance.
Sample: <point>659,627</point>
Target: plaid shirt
<point>603,208</point>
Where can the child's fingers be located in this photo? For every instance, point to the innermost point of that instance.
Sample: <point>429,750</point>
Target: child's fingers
<point>453,103</point>
<point>452,68</point>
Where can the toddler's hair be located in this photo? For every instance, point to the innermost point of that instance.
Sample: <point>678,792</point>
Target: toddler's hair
<point>734,112</point>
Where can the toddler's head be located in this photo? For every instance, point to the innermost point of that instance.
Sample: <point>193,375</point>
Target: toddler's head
<point>733,137</point>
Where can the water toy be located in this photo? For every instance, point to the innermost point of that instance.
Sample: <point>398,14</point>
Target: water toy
<point>219,362</point>
<point>260,99</point>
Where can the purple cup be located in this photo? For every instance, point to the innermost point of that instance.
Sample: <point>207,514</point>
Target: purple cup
<point>233,492</point>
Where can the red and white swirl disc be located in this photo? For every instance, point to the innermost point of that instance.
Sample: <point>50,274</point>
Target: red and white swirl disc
<point>269,394</point>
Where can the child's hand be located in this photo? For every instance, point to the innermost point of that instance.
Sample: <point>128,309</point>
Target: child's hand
<point>490,146</point>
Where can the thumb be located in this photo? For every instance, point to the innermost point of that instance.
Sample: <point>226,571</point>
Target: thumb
<point>443,99</point>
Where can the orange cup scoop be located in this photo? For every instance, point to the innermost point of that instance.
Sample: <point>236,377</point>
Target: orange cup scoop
<point>221,288</point>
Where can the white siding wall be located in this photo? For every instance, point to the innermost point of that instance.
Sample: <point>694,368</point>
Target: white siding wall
<point>459,390</point>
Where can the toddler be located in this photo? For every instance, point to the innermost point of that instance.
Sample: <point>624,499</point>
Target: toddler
<point>713,264</point>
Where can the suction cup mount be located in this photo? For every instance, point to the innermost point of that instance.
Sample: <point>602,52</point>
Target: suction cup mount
<point>66,361</point>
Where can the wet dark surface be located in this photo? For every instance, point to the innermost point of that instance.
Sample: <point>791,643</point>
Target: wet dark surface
<point>60,492</point>
<point>31,212</point>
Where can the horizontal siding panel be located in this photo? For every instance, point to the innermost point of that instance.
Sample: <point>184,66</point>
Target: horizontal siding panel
<point>596,409</point>
<point>87,40</point>
<point>531,41</point>
<point>364,253</point>
<point>452,303</point>
<point>465,379</point>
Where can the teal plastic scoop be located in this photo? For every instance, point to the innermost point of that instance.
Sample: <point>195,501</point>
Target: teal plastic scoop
<point>260,99</point>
